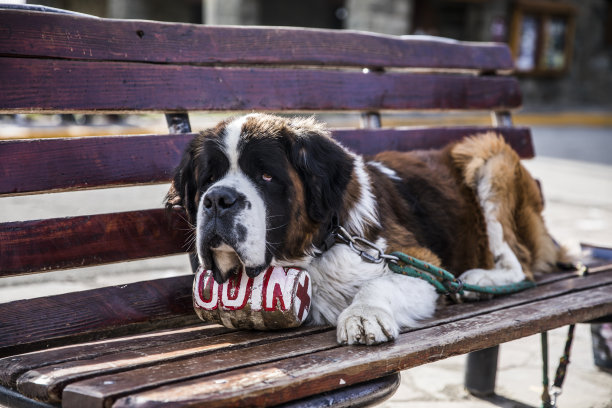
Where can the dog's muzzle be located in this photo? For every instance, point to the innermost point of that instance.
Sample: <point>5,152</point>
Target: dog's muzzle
<point>221,207</point>
<point>222,202</point>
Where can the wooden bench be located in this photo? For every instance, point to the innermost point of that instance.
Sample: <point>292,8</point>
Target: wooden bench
<point>141,344</point>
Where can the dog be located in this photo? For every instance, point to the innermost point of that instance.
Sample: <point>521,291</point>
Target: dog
<point>266,190</point>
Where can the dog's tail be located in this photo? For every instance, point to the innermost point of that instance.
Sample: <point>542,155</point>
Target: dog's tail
<point>492,169</point>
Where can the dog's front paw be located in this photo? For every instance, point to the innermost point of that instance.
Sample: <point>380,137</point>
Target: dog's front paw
<point>364,324</point>
<point>480,277</point>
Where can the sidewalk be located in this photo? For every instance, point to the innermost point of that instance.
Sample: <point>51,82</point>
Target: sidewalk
<point>578,208</point>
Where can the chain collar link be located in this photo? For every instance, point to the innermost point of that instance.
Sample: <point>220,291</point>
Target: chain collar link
<point>367,250</point>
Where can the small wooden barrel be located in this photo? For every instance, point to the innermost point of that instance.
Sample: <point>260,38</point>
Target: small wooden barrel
<point>278,298</point>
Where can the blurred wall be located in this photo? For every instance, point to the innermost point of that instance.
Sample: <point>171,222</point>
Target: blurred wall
<point>381,16</point>
<point>588,82</point>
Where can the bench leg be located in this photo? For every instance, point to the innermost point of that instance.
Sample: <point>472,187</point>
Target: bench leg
<point>480,371</point>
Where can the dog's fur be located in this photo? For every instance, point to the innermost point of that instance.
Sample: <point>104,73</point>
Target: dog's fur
<point>263,190</point>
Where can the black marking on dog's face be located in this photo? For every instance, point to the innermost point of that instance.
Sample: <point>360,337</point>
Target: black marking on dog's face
<point>325,169</point>
<point>264,161</point>
<point>241,232</point>
<point>202,163</point>
<point>236,184</point>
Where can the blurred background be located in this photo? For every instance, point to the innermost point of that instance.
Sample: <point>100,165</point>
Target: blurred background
<point>563,59</point>
<point>563,49</point>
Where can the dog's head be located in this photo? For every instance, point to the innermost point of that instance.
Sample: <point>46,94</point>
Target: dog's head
<point>258,188</point>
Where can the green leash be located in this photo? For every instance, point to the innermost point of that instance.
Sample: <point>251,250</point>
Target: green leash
<point>444,281</point>
<point>447,284</point>
<point>399,262</point>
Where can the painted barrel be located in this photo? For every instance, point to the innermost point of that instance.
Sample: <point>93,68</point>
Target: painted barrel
<point>277,298</point>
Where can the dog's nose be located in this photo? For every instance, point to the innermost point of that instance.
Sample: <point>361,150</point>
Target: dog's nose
<point>220,199</point>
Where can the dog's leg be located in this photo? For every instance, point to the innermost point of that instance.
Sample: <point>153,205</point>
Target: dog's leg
<point>497,205</point>
<point>384,305</point>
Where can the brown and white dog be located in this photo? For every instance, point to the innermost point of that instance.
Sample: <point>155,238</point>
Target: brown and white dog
<point>264,190</point>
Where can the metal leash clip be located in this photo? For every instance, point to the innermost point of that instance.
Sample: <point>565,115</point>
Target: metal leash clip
<point>360,246</point>
<point>554,394</point>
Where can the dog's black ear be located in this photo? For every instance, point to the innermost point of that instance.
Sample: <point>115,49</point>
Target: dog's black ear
<point>184,189</point>
<point>325,169</point>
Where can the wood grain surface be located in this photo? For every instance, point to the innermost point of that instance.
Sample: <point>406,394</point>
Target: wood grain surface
<point>60,243</point>
<point>35,34</point>
<point>45,165</point>
<point>284,380</point>
<point>87,86</point>
<point>13,367</point>
<point>37,165</point>
<point>120,373</point>
<point>39,323</point>
<point>213,354</point>
<point>151,377</point>
<point>372,141</point>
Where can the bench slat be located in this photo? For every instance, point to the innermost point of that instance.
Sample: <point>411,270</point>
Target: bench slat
<point>128,382</point>
<point>71,242</point>
<point>372,141</point>
<point>65,36</point>
<point>30,166</point>
<point>39,323</point>
<point>550,286</point>
<point>33,246</point>
<point>33,84</point>
<point>288,379</point>
<point>47,383</point>
<point>13,367</point>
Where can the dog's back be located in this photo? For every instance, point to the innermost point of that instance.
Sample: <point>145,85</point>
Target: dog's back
<point>472,204</point>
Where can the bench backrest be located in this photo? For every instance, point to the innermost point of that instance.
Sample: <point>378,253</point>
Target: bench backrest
<point>60,63</point>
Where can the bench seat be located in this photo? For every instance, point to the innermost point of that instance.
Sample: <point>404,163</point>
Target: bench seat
<point>191,362</point>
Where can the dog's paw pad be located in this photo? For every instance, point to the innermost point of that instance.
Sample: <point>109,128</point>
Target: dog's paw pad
<point>479,277</point>
<point>366,325</point>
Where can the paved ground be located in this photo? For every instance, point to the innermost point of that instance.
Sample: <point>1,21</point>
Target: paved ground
<point>575,168</point>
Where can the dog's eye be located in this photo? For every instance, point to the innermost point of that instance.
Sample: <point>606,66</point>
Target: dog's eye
<point>266,177</point>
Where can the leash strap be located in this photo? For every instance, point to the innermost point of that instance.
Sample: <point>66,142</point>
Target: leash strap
<point>399,262</point>
<point>444,281</point>
<point>551,394</point>
<point>545,391</point>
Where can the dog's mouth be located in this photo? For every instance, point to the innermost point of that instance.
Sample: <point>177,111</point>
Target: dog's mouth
<point>221,258</point>
<point>224,260</point>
